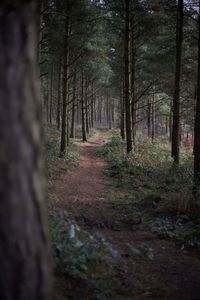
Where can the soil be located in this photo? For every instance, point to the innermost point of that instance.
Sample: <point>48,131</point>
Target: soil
<point>173,273</point>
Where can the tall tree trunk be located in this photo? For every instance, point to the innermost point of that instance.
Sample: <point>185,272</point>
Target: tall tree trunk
<point>110,119</point>
<point>166,125</point>
<point>67,120</point>
<point>64,87</point>
<point>176,99</point>
<point>47,103</point>
<point>73,106</point>
<point>95,108</point>
<point>51,97</point>
<point>112,111</point>
<point>84,138</point>
<point>126,83</point>
<point>92,106</point>
<point>78,108</point>
<point>86,105</point>
<point>99,108</point>
<point>196,186</point>
<point>149,118</point>
<point>170,124</point>
<point>24,257</point>
<point>107,109</point>
<point>122,113</point>
<point>153,118</point>
<point>59,96</point>
<point>132,75</point>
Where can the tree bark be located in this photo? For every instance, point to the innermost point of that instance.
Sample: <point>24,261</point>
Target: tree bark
<point>132,75</point>
<point>122,113</point>
<point>149,118</point>
<point>170,124</point>
<point>59,96</point>
<point>24,255</point>
<point>73,106</point>
<point>153,119</point>
<point>92,106</point>
<point>84,138</point>
<point>127,83</point>
<point>47,102</point>
<point>86,106</point>
<point>67,121</point>
<point>196,185</point>
<point>65,88</point>
<point>110,113</point>
<point>51,97</point>
<point>176,99</point>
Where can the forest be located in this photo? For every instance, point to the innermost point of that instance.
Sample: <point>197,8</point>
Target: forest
<point>100,149</point>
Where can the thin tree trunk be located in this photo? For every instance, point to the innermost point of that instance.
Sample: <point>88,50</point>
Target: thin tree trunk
<point>176,99</point>
<point>107,109</point>
<point>73,107</point>
<point>122,113</point>
<point>67,121</point>
<point>113,111</point>
<point>92,106</point>
<point>47,106</point>
<point>149,118</point>
<point>24,257</point>
<point>196,186</point>
<point>95,109</point>
<point>166,125</point>
<point>59,96</point>
<point>86,106</point>
<point>64,87</point>
<point>109,112</point>
<point>84,138</point>
<point>153,118</point>
<point>126,83</point>
<point>51,97</point>
<point>78,110</point>
<point>132,75</point>
<point>170,124</point>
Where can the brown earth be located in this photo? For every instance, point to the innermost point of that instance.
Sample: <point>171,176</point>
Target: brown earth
<point>173,273</point>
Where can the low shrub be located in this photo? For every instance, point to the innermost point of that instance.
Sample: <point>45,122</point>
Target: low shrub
<point>52,147</point>
<point>86,259</point>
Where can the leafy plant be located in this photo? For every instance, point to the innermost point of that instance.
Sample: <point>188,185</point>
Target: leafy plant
<point>54,163</point>
<point>87,259</point>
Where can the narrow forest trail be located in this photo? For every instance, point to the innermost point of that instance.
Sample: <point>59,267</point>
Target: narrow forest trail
<point>172,274</point>
<point>84,189</point>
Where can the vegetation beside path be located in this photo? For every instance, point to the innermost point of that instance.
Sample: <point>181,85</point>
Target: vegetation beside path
<point>141,225</point>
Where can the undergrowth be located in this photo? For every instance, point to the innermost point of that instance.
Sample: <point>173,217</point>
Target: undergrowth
<point>148,189</point>
<point>83,263</point>
<point>56,165</point>
<point>82,259</point>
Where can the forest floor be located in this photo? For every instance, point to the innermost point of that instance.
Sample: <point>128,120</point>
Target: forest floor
<point>161,268</point>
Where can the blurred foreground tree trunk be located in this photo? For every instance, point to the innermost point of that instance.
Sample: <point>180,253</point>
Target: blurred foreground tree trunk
<point>24,257</point>
<point>196,187</point>
<point>176,99</point>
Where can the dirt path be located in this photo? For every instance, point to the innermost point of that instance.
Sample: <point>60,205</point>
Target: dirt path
<point>84,189</point>
<point>172,274</point>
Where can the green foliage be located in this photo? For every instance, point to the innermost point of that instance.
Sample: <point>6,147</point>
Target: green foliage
<point>114,146</point>
<point>114,151</point>
<point>83,258</point>
<point>150,160</point>
<point>158,192</point>
<point>72,158</point>
<point>183,229</point>
<point>55,164</point>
